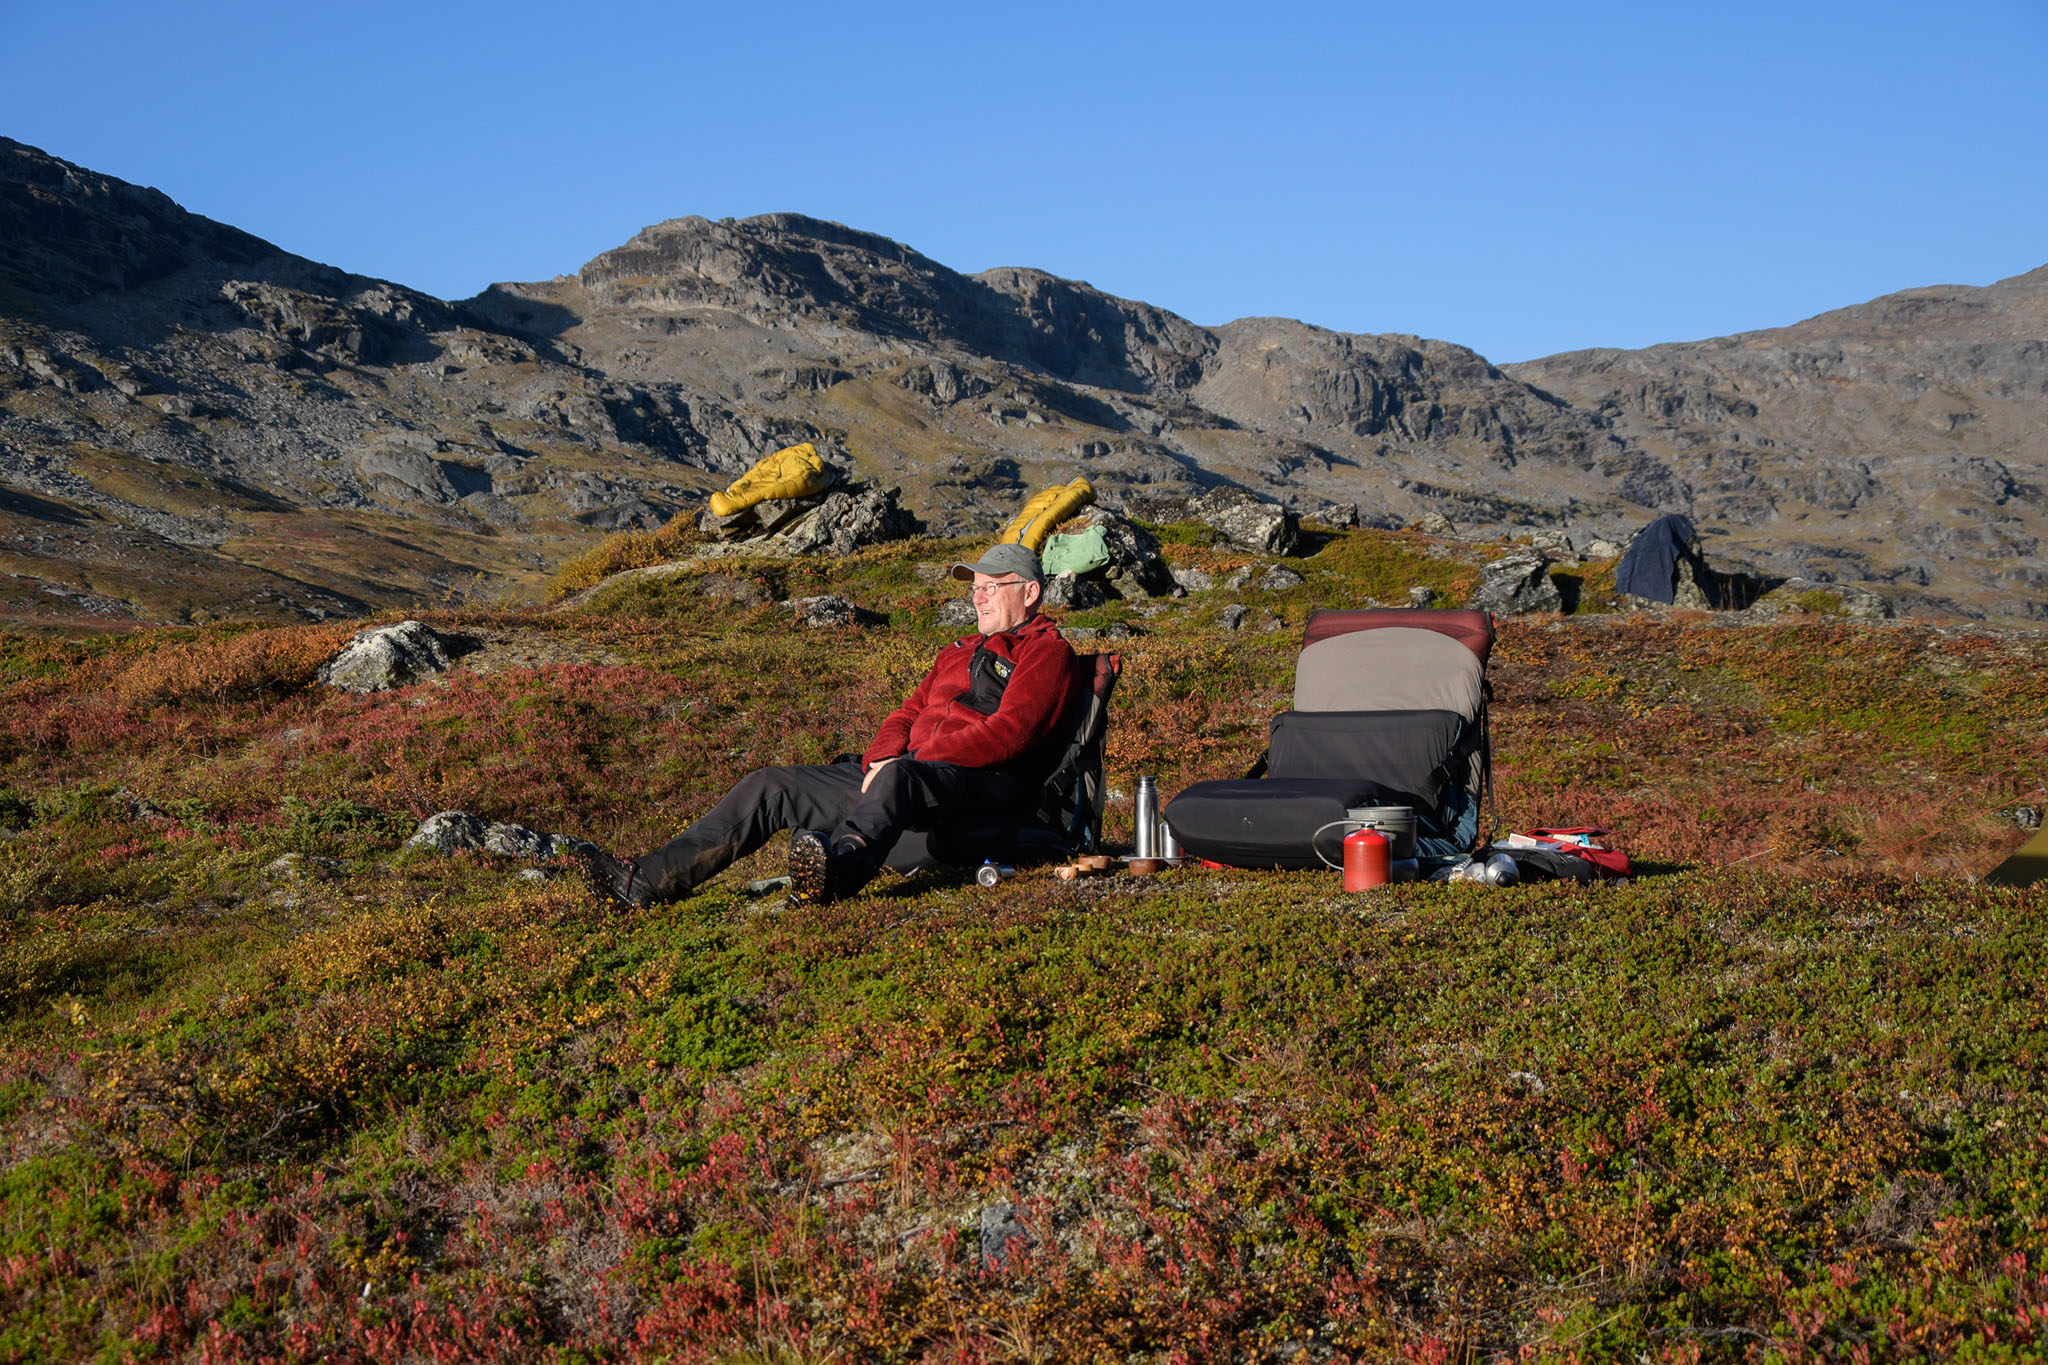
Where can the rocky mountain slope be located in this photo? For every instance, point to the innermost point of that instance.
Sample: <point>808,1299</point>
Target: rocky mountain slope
<point>1903,440</point>
<point>194,421</point>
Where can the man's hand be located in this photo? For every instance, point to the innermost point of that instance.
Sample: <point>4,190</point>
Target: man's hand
<point>874,768</point>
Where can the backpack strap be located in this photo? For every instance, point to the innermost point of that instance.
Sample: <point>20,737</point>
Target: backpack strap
<point>1072,799</point>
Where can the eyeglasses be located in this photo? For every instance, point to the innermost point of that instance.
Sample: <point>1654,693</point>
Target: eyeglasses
<point>984,589</point>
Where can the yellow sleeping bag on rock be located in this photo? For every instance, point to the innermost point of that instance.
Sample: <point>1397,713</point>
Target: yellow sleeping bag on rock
<point>792,472</point>
<point>1045,511</point>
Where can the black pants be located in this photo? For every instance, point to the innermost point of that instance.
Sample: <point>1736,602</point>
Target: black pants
<point>826,796</point>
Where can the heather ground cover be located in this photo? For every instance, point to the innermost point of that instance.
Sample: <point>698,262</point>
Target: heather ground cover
<point>274,1089</point>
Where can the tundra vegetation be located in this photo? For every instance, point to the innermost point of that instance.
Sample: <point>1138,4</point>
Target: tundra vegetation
<point>276,1088</point>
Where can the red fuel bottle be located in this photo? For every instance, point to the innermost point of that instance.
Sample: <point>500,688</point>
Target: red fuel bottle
<point>1368,860</point>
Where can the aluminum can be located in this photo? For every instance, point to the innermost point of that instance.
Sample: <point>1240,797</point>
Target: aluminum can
<point>993,873</point>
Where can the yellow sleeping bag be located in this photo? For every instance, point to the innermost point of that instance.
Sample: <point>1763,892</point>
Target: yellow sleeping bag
<point>792,472</point>
<point>1045,511</point>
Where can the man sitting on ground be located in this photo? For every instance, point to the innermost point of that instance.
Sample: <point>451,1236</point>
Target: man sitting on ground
<point>978,733</point>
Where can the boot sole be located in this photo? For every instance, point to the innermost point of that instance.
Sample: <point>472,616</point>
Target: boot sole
<point>810,867</point>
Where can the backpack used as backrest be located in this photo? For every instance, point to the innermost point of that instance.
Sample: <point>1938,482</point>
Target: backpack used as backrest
<point>1390,708</point>
<point>1072,803</point>
<point>1068,816</point>
<point>1402,696</point>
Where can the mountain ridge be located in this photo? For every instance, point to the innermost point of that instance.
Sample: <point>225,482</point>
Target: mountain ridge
<point>388,445</point>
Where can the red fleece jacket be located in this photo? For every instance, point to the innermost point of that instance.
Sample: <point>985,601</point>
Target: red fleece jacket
<point>939,723</point>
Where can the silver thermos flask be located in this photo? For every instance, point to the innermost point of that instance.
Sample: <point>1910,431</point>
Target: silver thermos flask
<point>1147,817</point>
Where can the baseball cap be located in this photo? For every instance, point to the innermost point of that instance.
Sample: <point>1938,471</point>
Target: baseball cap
<point>1000,560</point>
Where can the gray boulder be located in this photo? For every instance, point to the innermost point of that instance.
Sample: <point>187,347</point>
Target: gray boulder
<point>452,831</point>
<point>1516,583</point>
<point>1159,506</point>
<point>1232,616</point>
<point>521,844</point>
<point>386,657</point>
<point>401,464</point>
<point>1002,1236</point>
<point>1279,578</point>
<point>1264,528</point>
<point>1194,580</point>
<point>957,613</point>
<point>1861,604</point>
<point>762,519</point>
<point>449,831</point>
<point>843,522</point>
<point>827,610</point>
<point>1688,590</point>
<point>1134,559</point>
<point>1436,524</point>
<point>837,521</point>
<point>1341,516</point>
<point>1074,591</point>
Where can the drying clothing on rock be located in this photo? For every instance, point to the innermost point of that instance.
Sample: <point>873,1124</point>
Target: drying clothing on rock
<point>1650,567</point>
<point>975,734</point>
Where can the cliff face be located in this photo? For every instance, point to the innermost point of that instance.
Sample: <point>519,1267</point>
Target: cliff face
<point>192,419</point>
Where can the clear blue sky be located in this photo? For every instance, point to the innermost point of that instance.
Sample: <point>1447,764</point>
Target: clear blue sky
<point>1520,178</point>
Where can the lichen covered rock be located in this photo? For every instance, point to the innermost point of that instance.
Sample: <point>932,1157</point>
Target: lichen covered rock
<point>380,659</point>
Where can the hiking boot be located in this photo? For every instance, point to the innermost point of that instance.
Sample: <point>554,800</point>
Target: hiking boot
<point>810,867</point>
<point>820,873</point>
<point>615,881</point>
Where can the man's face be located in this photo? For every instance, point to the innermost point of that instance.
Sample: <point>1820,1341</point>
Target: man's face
<point>1003,602</point>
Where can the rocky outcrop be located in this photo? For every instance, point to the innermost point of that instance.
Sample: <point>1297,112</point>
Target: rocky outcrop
<point>827,610</point>
<point>835,522</point>
<point>1899,434</point>
<point>1075,592</point>
<point>1517,583</point>
<point>454,831</point>
<point>1135,566</point>
<point>1279,578</point>
<point>847,521</point>
<point>389,656</point>
<point>1263,528</point>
